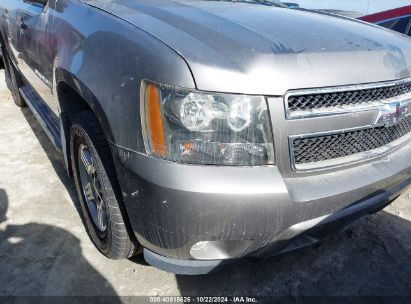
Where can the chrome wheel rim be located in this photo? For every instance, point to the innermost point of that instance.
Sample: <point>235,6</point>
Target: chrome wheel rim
<point>92,189</point>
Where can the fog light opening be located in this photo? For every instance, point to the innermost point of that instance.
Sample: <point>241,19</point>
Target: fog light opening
<point>199,246</point>
<point>219,250</point>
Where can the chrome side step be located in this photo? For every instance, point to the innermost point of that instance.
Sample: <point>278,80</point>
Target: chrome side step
<point>43,114</point>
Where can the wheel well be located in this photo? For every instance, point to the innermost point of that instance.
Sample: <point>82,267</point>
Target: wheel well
<point>71,103</point>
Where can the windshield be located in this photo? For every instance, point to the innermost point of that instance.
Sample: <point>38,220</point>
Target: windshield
<point>263,2</point>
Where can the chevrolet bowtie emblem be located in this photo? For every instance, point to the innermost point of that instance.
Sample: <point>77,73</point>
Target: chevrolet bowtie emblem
<point>391,113</point>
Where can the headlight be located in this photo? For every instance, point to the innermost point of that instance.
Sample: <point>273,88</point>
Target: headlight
<point>189,126</point>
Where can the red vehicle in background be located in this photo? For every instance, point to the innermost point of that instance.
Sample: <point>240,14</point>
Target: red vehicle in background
<point>398,19</point>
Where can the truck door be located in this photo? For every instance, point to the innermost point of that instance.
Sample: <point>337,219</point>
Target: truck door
<point>10,32</point>
<point>33,21</point>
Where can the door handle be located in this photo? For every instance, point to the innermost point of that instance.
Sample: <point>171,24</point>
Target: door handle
<point>20,23</point>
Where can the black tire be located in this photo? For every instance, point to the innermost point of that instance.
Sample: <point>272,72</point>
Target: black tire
<point>6,70</point>
<point>115,241</point>
<point>14,82</point>
<point>1,57</point>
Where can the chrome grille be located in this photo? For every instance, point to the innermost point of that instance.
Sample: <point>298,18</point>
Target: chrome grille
<point>321,148</point>
<point>348,96</point>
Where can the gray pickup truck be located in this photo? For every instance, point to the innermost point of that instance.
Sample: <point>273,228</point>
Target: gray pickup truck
<point>199,133</point>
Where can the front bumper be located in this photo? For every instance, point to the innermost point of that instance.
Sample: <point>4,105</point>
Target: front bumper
<point>244,211</point>
<point>297,236</point>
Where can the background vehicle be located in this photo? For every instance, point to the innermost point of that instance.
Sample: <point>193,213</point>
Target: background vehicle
<point>201,132</point>
<point>398,19</point>
<point>352,8</point>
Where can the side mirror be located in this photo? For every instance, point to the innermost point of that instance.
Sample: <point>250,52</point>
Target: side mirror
<point>37,2</point>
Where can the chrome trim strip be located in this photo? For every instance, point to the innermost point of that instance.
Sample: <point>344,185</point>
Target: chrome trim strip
<point>341,161</point>
<point>321,112</point>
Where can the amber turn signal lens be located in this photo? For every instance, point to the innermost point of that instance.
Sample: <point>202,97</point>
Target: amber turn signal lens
<point>156,133</point>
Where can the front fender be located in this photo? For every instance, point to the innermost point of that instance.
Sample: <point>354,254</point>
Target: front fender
<point>105,59</point>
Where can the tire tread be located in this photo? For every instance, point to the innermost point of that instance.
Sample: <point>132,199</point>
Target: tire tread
<point>121,245</point>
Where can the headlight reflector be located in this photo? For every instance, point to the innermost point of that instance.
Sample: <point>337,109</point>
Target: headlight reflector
<point>206,128</point>
<point>195,111</point>
<point>240,114</point>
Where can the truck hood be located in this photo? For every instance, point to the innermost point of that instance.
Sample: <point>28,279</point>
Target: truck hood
<point>259,49</point>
